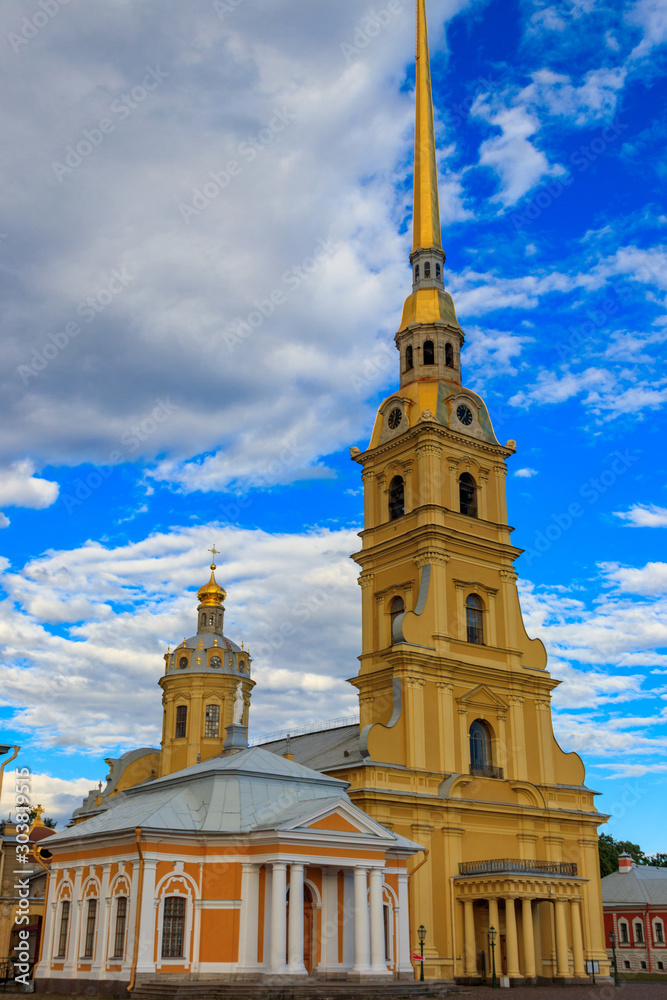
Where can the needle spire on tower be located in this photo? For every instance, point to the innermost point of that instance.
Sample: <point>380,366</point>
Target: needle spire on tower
<point>426,217</point>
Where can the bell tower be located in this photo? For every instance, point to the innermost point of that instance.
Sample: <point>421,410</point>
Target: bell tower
<point>456,742</point>
<point>200,684</point>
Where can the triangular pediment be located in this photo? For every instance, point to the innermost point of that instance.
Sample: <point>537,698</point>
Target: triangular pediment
<point>338,817</point>
<point>482,697</point>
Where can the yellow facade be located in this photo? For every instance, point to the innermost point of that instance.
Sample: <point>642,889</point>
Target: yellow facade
<point>455,699</point>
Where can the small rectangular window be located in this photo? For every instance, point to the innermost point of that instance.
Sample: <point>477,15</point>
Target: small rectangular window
<point>90,928</point>
<point>64,923</point>
<point>626,964</point>
<point>121,917</point>
<point>181,721</point>
<point>212,724</point>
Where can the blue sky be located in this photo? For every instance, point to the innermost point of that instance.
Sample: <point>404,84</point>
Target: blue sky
<point>179,370</point>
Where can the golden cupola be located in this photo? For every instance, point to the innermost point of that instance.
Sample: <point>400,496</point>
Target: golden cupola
<point>211,594</point>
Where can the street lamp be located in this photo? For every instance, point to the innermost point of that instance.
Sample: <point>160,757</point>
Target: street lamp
<point>612,940</point>
<point>492,942</point>
<point>421,934</point>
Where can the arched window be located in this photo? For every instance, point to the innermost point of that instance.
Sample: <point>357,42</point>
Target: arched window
<point>90,929</point>
<point>64,925</point>
<point>212,722</point>
<point>408,359</point>
<point>623,930</point>
<point>211,619</point>
<point>474,619</point>
<point>429,353</point>
<point>181,722</point>
<point>437,271</point>
<point>173,926</point>
<point>427,269</point>
<point>396,608</point>
<point>468,495</point>
<point>658,931</point>
<point>121,918</point>
<point>481,760</point>
<point>416,272</point>
<point>203,619</point>
<point>639,932</point>
<point>396,498</point>
<point>449,355</point>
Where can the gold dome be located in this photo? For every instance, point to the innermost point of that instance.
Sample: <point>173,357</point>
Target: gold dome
<point>211,593</point>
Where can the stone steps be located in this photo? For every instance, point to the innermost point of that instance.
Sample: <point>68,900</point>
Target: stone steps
<point>312,990</point>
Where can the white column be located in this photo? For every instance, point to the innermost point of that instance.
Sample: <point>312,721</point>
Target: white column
<point>295,957</point>
<point>403,963</point>
<point>278,924</point>
<point>249,916</point>
<point>378,957</point>
<point>48,930</point>
<point>361,929</point>
<point>102,949</point>
<point>329,931</point>
<point>146,952</point>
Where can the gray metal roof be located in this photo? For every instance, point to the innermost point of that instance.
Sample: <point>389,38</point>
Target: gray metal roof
<point>253,790</point>
<point>641,884</point>
<point>322,750</point>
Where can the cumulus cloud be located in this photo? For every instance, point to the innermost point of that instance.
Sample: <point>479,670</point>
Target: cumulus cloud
<point>642,515</point>
<point>525,473</point>
<point>19,487</point>
<point>645,580</point>
<point>592,100</point>
<point>518,162</point>
<point>292,599</point>
<point>58,796</point>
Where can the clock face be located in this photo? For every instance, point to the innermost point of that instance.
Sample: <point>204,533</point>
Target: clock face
<point>464,413</point>
<point>395,418</point>
<point>183,662</point>
<point>215,661</point>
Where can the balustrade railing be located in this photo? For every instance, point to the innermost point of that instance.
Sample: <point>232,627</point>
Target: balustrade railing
<point>519,866</point>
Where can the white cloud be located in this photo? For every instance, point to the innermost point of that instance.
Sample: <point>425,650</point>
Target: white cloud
<point>646,580</point>
<point>525,473</point>
<point>593,100</point>
<point>520,165</point>
<point>292,599</point>
<point>651,17</point>
<point>19,487</point>
<point>642,515</point>
<point>4,521</point>
<point>58,796</point>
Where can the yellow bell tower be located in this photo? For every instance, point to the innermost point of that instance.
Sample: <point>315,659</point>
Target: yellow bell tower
<point>205,677</point>
<point>455,700</point>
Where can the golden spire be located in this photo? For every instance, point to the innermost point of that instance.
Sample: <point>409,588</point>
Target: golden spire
<point>426,217</point>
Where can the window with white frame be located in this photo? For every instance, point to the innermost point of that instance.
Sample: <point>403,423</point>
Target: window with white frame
<point>91,919</point>
<point>658,931</point>
<point>639,932</point>
<point>173,927</point>
<point>121,920</point>
<point>64,926</point>
<point>623,932</point>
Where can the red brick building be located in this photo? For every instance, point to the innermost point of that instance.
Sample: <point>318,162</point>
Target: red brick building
<point>635,907</point>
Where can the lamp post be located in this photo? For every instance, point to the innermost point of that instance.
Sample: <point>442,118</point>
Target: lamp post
<point>492,942</point>
<point>612,941</point>
<point>421,934</point>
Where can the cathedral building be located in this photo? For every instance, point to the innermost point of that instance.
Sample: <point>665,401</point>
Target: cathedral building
<point>450,809</point>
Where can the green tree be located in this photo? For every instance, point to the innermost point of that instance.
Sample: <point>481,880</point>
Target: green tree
<point>610,849</point>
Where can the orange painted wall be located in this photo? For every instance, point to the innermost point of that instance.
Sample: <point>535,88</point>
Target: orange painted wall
<point>219,935</point>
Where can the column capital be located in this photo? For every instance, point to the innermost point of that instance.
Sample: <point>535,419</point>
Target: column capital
<point>277,866</point>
